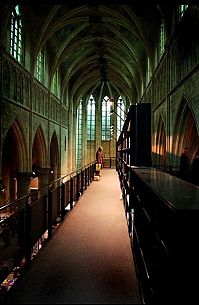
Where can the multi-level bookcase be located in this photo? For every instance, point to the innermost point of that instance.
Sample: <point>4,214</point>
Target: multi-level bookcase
<point>134,143</point>
<point>164,236</point>
<point>133,148</point>
<point>162,214</point>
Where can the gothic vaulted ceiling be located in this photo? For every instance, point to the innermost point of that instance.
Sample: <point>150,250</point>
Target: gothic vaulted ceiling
<point>94,43</point>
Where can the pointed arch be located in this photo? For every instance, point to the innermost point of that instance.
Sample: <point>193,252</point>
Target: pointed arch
<point>185,130</point>
<point>161,143</point>
<point>14,157</point>
<point>39,151</point>
<point>54,157</point>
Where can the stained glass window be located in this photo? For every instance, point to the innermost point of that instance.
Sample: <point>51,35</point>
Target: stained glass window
<point>40,67</point>
<point>79,136</point>
<point>16,35</point>
<point>106,107</point>
<point>91,119</point>
<point>120,115</point>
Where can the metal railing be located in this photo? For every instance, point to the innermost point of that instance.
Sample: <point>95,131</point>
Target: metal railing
<point>110,162</point>
<point>27,223</point>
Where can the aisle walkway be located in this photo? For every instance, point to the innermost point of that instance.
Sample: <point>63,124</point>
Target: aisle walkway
<point>89,259</point>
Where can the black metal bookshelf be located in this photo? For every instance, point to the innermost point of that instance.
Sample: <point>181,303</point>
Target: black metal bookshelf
<point>133,149</point>
<point>162,214</point>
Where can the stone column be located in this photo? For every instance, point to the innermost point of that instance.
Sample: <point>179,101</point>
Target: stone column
<point>2,193</point>
<point>43,180</point>
<point>13,188</point>
<point>53,175</point>
<point>23,184</point>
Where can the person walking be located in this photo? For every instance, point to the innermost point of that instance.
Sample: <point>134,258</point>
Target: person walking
<point>99,156</point>
<point>99,161</point>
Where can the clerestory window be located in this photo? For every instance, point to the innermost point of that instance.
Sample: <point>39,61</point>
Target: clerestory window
<point>79,136</point>
<point>55,83</point>
<point>16,35</point>
<point>162,38</point>
<point>120,115</point>
<point>91,119</point>
<point>106,107</point>
<point>181,10</point>
<point>40,66</point>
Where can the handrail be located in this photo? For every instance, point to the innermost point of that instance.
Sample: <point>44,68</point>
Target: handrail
<point>44,187</point>
<point>33,219</point>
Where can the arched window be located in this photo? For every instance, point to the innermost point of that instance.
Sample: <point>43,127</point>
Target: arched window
<point>181,10</point>
<point>91,119</point>
<point>106,107</point>
<point>162,38</point>
<point>120,115</point>
<point>16,35</point>
<point>148,72</point>
<point>55,83</point>
<point>40,66</point>
<point>79,136</point>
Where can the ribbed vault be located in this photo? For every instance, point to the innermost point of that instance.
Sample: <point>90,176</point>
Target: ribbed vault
<point>91,42</point>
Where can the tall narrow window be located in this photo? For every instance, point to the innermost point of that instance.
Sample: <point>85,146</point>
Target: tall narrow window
<point>181,10</point>
<point>79,136</point>
<point>106,107</point>
<point>162,38</point>
<point>91,119</point>
<point>55,83</point>
<point>16,39</point>
<point>40,66</point>
<point>148,76</point>
<point>120,115</point>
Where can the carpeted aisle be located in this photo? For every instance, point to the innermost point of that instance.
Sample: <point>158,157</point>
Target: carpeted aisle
<point>89,259</point>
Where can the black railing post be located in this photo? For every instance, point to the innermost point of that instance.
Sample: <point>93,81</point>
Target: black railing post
<point>91,171</point>
<point>50,231</point>
<point>77,187</point>
<point>28,233</point>
<point>62,201</point>
<point>82,181</point>
<point>88,175</point>
<point>71,193</point>
<point>86,178</point>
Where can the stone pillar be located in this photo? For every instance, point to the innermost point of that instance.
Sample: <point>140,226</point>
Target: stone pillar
<point>43,180</point>
<point>2,193</point>
<point>13,188</point>
<point>23,184</point>
<point>53,175</point>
